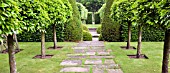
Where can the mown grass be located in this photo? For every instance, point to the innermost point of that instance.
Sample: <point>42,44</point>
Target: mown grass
<point>154,50</point>
<point>25,63</point>
<point>93,26</point>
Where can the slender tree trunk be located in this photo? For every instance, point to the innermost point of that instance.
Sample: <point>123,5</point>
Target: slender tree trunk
<point>16,40</point>
<point>139,41</point>
<point>54,37</point>
<point>129,35</point>
<point>93,18</point>
<point>42,44</point>
<point>83,21</point>
<point>2,44</point>
<point>11,52</point>
<point>166,52</point>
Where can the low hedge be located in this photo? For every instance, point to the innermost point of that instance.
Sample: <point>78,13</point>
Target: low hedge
<point>87,36</point>
<point>99,29</point>
<point>85,27</point>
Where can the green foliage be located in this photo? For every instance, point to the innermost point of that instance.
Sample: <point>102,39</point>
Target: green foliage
<point>99,29</point>
<point>85,27</point>
<point>100,37</point>
<point>101,11</point>
<point>150,33</point>
<point>110,29</point>
<point>87,36</point>
<point>73,29</point>
<point>28,37</point>
<point>83,11</point>
<point>9,17</point>
<point>89,18</point>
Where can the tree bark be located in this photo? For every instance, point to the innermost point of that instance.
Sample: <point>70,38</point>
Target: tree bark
<point>54,37</point>
<point>139,41</point>
<point>166,52</point>
<point>2,44</point>
<point>129,35</point>
<point>93,18</point>
<point>11,52</point>
<point>42,44</point>
<point>16,40</point>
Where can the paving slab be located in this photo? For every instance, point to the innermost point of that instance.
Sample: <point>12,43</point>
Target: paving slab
<point>114,71</point>
<point>99,57</point>
<point>71,63</point>
<point>75,69</point>
<point>93,62</point>
<point>77,57</point>
<point>103,53</point>
<point>79,47</point>
<point>96,70</point>
<point>107,66</point>
<point>90,53</point>
<point>109,61</point>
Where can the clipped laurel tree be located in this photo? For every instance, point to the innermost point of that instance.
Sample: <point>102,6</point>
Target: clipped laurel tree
<point>87,36</point>
<point>73,29</point>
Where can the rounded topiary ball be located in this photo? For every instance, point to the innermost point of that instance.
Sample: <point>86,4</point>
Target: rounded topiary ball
<point>87,36</point>
<point>99,30</point>
<point>85,27</point>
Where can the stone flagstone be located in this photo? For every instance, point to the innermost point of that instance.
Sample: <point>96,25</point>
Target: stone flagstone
<point>71,62</point>
<point>96,70</point>
<point>93,62</point>
<point>109,61</point>
<point>114,71</point>
<point>75,69</point>
<point>107,66</point>
<point>103,53</point>
<point>99,57</point>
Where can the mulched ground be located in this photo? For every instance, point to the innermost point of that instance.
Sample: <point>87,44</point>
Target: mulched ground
<point>142,56</point>
<point>58,48</point>
<point>125,47</point>
<point>16,51</point>
<point>40,57</point>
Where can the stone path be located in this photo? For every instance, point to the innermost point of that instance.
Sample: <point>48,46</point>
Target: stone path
<point>90,57</point>
<point>94,34</point>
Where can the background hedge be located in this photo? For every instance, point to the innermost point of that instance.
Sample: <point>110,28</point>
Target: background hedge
<point>149,33</point>
<point>89,18</point>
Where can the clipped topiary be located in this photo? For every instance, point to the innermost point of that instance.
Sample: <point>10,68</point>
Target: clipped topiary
<point>85,27</point>
<point>100,37</point>
<point>99,29</point>
<point>110,29</point>
<point>73,29</point>
<point>87,36</point>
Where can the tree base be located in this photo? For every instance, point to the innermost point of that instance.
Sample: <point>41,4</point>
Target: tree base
<point>40,57</point>
<point>58,48</point>
<point>16,51</point>
<point>142,56</point>
<point>125,47</point>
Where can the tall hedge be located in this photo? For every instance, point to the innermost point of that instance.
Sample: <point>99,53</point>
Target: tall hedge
<point>110,29</point>
<point>150,33</point>
<point>73,29</point>
<point>89,18</point>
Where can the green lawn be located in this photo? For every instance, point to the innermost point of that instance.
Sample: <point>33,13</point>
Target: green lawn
<point>93,26</point>
<point>25,63</point>
<point>153,50</point>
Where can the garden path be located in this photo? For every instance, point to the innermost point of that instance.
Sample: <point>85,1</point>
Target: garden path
<point>90,57</point>
<point>94,34</point>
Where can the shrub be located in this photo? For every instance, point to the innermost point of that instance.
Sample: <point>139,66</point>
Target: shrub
<point>73,30</point>
<point>110,29</point>
<point>85,27</point>
<point>100,37</point>
<point>87,36</point>
<point>89,18</point>
<point>99,29</point>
